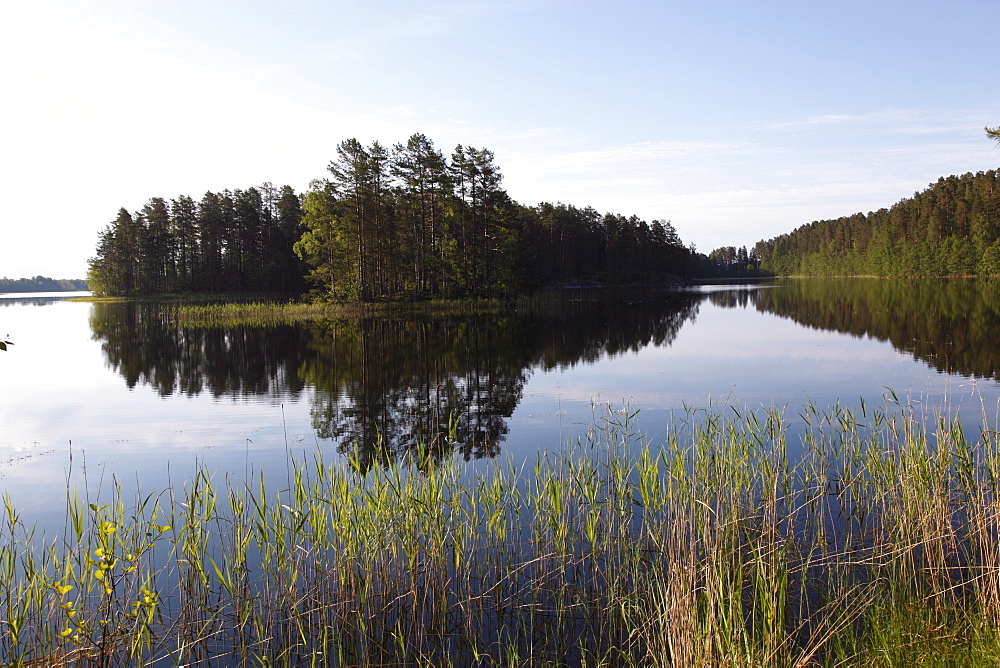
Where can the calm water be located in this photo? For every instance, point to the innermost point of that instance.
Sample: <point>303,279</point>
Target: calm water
<point>102,392</point>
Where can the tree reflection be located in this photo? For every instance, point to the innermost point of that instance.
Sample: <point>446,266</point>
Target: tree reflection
<point>949,324</point>
<point>10,300</point>
<point>732,298</point>
<point>141,343</point>
<point>385,389</point>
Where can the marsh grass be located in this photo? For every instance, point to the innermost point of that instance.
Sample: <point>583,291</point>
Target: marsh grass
<point>270,313</point>
<point>877,546</point>
<point>208,311</point>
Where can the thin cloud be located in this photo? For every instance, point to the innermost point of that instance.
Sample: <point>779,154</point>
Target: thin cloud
<point>629,157</point>
<point>827,119</point>
<point>890,115</point>
<point>434,23</point>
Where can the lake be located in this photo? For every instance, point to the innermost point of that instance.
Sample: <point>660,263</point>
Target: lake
<point>95,393</point>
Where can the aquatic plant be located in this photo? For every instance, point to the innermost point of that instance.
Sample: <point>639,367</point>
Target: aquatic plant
<point>278,313</point>
<point>878,546</point>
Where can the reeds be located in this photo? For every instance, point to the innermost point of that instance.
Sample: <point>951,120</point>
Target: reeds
<point>877,545</point>
<point>261,314</point>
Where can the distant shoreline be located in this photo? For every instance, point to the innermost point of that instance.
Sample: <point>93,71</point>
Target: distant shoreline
<point>42,284</point>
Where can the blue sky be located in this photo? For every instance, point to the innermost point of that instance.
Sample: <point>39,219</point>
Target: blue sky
<point>737,121</point>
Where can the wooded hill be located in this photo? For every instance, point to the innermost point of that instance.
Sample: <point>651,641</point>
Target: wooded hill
<point>951,228</point>
<point>385,222</point>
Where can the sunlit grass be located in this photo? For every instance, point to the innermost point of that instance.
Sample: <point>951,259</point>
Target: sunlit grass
<point>99,300</point>
<point>230,312</point>
<point>277,313</point>
<point>251,310</point>
<point>878,547</point>
<point>178,298</point>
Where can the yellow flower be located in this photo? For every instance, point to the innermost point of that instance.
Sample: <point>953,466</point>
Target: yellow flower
<point>99,574</point>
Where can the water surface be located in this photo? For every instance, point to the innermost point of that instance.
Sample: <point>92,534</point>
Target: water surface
<point>118,392</point>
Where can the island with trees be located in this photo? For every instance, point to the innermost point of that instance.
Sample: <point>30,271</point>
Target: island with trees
<point>407,221</point>
<point>385,223</point>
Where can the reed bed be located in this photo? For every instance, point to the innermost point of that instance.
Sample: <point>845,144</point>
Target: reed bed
<point>181,298</point>
<point>876,545</point>
<point>209,311</point>
<point>278,313</point>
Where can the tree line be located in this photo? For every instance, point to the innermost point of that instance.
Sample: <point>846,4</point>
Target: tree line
<point>41,284</point>
<point>385,222</point>
<point>950,228</point>
<point>731,262</point>
<point>233,241</point>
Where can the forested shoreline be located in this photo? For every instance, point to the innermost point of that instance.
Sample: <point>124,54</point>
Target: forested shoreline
<point>233,241</point>
<point>950,229</point>
<point>407,221</point>
<point>41,284</point>
<point>384,223</point>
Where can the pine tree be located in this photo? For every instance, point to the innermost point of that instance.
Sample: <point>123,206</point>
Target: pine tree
<point>211,225</point>
<point>422,173</point>
<point>184,229</point>
<point>157,255</point>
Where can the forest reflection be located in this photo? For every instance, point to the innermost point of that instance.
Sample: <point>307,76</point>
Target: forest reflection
<point>952,325</point>
<point>384,389</point>
<point>18,300</point>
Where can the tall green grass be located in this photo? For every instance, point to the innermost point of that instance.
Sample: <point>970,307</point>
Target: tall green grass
<point>877,545</point>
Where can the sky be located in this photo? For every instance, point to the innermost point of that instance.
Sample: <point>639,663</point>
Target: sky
<point>736,121</point>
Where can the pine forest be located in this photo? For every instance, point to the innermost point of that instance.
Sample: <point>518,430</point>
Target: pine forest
<point>384,223</point>
<point>950,229</point>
